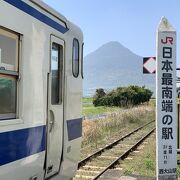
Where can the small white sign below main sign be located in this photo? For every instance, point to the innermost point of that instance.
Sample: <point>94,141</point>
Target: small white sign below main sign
<point>166,120</point>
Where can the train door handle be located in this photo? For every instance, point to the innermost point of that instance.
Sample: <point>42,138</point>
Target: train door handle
<point>51,121</point>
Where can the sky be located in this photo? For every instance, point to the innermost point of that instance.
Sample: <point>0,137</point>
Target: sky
<point>133,23</point>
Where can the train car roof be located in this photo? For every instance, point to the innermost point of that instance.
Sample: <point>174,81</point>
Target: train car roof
<point>49,10</point>
<point>59,16</point>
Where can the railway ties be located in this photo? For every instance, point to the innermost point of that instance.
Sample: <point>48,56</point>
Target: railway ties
<point>95,165</point>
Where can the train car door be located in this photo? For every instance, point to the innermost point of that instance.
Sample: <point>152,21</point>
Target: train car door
<point>55,107</point>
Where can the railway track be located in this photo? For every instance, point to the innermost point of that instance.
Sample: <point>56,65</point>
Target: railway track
<point>95,165</point>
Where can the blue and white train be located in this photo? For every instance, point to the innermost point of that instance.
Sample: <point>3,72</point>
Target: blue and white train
<point>41,76</point>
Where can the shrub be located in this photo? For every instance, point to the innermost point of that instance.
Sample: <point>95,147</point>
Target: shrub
<point>122,96</point>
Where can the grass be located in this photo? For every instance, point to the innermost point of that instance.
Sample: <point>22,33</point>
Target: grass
<point>87,100</point>
<point>178,157</point>
<point>143,163</point>
<point>97,133</point>
<point>119,122</point>
<point>90,110</point>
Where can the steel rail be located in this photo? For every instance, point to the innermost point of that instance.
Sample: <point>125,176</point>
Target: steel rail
<point>178,151</point>
<point>124,155</point>
<point>82,162</point>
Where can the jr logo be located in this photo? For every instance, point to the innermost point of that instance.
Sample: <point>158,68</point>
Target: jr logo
<point>167,40</point>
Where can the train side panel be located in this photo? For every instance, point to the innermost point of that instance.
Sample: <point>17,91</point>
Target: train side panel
<point>25,155</point>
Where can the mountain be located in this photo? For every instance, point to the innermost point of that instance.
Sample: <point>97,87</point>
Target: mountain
<point>113,65</point>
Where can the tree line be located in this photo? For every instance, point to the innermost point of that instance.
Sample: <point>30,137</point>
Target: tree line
<point>122,96</point>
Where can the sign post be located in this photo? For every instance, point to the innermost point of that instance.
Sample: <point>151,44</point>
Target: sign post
<point>166,117</point>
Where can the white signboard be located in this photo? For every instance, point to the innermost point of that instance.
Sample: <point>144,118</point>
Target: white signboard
<point>166,119</point>
<point>149,65</point>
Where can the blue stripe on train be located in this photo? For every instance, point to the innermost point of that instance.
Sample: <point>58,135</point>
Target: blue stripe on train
<point>74,127</point>
<point>18,144</point>
<point>38,15</point>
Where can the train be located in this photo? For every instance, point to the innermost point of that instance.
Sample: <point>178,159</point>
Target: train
<point>41,75</point>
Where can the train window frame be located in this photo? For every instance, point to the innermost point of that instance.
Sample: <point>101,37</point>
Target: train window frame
<point>58,95</point>
<point>10,34</point>
<point>75,74</point>
<point>82,61</point>
<point>7,74</point>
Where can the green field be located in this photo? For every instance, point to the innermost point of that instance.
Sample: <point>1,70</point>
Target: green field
<point>89,109</point>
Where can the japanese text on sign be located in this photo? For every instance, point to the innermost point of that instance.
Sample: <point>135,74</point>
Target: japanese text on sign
<point>166,102</point>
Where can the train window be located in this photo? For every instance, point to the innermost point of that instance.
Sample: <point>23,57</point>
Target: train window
<point>75,58</point>
<point>56,71</point>
<point>82,50</point>
<point>8,97</point>
<point>9,48</point>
